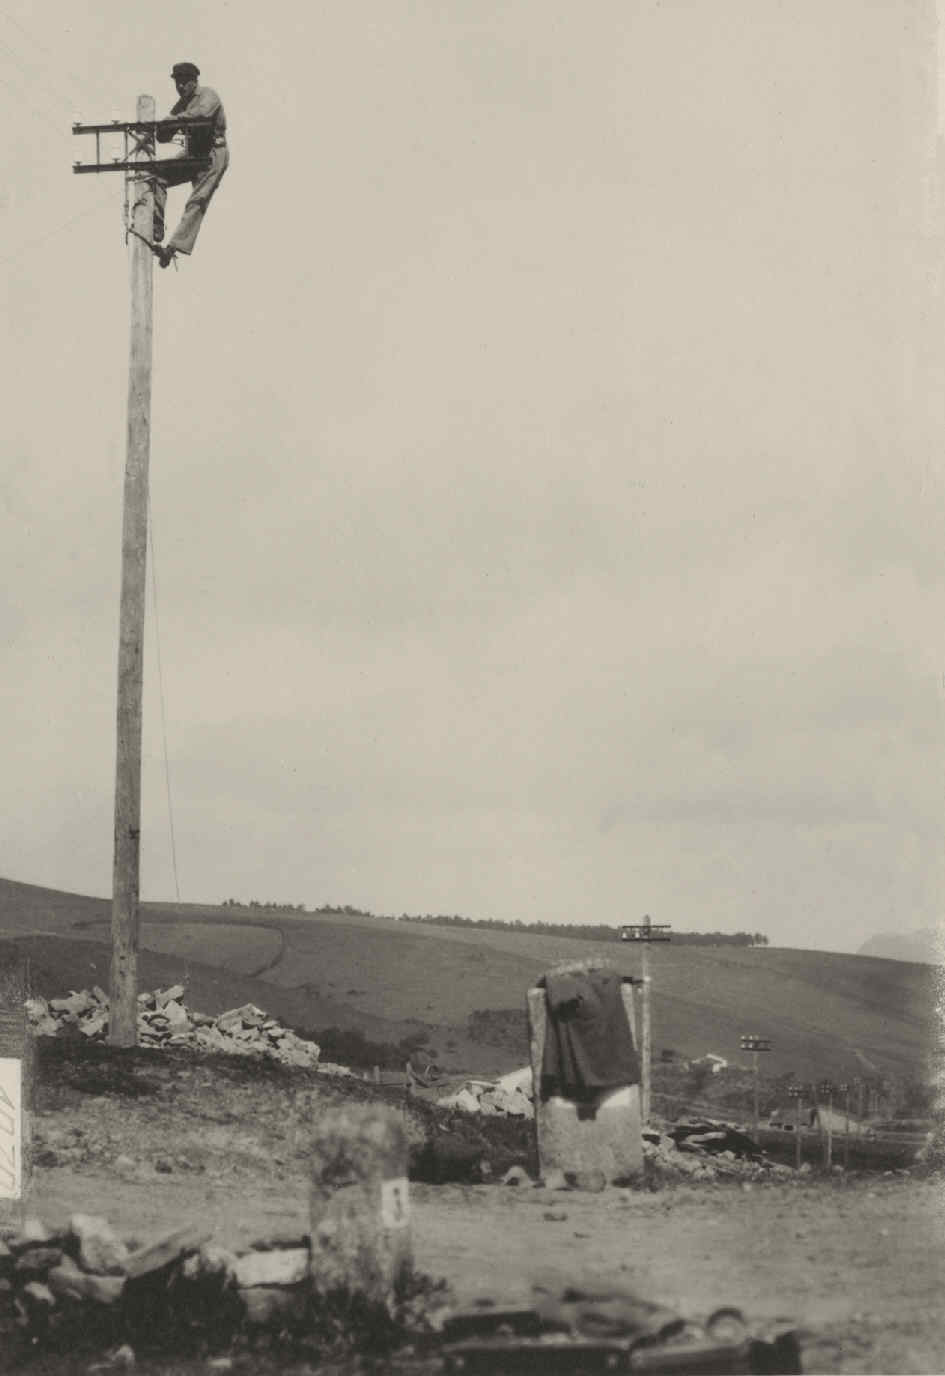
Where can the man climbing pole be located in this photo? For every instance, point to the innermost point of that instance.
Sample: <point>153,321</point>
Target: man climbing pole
<point>209,144</point>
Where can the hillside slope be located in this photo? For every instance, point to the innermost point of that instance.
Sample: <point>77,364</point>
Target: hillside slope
<point>926,944</point>
<point>826,1014</point>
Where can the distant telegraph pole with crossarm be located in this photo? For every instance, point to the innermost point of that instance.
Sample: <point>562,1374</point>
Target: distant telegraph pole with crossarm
<point>749,1042</point>
<point>136,162</point>
<point>644,932</point>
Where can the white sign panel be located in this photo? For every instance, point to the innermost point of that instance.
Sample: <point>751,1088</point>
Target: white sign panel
<point>11,1127</point>
<point>395,1203</point>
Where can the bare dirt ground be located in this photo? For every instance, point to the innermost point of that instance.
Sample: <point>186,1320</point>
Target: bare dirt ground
<point>152,1140</point>
<point>859,1270</point>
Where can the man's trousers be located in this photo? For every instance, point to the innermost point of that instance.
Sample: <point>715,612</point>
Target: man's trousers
<point>204,184</point>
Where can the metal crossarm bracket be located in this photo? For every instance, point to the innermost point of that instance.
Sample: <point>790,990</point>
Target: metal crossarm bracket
<point>138,136</point>
<point>137,126</point>
<point>142,165</point>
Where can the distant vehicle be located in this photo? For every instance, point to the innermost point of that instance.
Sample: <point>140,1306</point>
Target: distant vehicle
<point>629,934</point>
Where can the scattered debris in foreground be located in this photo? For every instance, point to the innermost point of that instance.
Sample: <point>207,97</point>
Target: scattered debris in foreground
<point>83,1291</point>
<point>574,1328</point>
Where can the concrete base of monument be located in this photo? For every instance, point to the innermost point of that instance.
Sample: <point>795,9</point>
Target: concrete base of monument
<point>592,1142</point>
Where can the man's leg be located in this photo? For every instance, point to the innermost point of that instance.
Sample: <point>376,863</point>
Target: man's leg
<point>185,235</point>
<point>168,176</point>
<point>160,206</point>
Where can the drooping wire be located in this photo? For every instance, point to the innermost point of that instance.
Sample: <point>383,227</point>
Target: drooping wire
<point>44,238</point>
<point>37,109</point>
<point>30,78</point>
<point>43,47</point>
<point>157,642</point>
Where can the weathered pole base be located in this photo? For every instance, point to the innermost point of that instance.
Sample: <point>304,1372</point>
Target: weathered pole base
<point>360,1204</point>
<point>123,1000</point>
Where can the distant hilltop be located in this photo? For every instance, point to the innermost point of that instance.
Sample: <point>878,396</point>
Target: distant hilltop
<point>926,945</point>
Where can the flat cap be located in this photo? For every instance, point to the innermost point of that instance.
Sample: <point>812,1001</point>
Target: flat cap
<point>187,70</point>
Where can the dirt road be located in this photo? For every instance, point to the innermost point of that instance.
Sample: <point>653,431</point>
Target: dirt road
<point>153,1141</point>
<point>859,1265</point>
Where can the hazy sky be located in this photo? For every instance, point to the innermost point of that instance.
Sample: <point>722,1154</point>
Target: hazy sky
<point>547,469</point>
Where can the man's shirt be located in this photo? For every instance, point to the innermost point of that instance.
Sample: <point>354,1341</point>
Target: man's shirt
<point>203,104</point>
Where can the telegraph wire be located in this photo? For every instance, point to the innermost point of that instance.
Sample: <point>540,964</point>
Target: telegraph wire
<point>31,78</point>
<point>42,47</point>
<point>157,642</point>
<point>60,229</point>
<point>37,109</point>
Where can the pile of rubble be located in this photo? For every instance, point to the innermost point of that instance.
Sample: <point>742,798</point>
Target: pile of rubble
<point>165,1020</point>
<point>707,1151</point>
<point>85,1281</point>
<point>511,1096</point>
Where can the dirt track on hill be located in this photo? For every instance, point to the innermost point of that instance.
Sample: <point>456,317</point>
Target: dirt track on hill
<point>169,936</point>
<point>152,1140</point>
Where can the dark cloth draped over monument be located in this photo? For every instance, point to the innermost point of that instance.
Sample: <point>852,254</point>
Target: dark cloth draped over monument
<point>589,1044</point>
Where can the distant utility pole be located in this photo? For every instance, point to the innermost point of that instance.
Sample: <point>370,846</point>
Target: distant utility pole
<point>796,1092</point>
<point>858,1087</point>
<point>844,1089</point>
<point>645,932</point>
<point>825,1091</point>
<point>138,164</point>
<point>754,1045</point>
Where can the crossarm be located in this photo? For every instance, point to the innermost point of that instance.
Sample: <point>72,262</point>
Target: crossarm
<point>149,165</point>
<point>151,126</point>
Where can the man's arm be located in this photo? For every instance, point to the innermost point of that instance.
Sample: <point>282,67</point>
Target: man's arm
<point>204,104</point>
<point>165,135</point>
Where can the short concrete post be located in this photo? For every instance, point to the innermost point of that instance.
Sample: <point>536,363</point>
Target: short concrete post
<point>360,1203</point>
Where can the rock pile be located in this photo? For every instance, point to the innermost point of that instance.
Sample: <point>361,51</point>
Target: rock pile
<point>165,1020</point>
<point>510,1097</point>
<point>86,1280</point>
<point>696,1151</point>
<point>707,1152</point>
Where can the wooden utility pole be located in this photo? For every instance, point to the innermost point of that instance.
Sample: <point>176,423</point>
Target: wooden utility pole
<point>844,1089</point>
<point>750,1042</point>
<point>645,932</point>
<point>796,1092</point>
<point>646,1040</point>
<point>825,1092</point>
<point>123,1016</point>
<point>138,166</point>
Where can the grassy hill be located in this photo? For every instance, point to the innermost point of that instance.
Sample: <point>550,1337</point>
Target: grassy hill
<point>927,945</point>
<point>834,1015</point>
